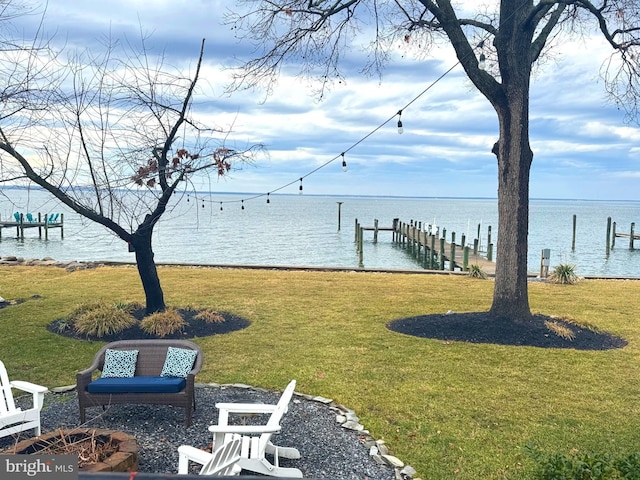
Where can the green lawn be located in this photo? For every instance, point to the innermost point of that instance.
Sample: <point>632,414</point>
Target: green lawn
<point>451,410</point>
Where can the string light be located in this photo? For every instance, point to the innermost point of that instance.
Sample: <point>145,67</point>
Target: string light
<point>300,189</point>
<point>344,163</point>
<point>220,206</point>
<point>242,204</point>
<point>400,127</point>
<point>482,61</point>
<point>268,199</point>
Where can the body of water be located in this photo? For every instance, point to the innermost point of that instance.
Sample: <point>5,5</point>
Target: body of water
<point>303,230</point>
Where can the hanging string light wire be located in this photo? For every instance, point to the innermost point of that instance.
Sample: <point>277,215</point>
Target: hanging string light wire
<point>341,155</point>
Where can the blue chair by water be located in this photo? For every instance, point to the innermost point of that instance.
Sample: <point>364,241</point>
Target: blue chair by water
<point>16,215</point>
<point>55,219</point>
<point>30,218</point>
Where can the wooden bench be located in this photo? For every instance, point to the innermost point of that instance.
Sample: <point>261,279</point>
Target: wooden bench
<point>147,386</point>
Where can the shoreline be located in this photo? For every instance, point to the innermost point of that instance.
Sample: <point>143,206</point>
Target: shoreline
<point>73,265</point>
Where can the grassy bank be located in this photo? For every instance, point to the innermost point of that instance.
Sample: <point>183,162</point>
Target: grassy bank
<point>450,409</point>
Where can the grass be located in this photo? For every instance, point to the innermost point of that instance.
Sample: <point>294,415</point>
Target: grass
<point>450,409</point>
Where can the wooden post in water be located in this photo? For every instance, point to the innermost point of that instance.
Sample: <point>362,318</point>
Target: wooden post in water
<point>488,238</point>
<point>441,266</point>
<point>613,235</point>
<point>360,249</point>
<point>355,237</point>
<point>490,252</point>
<point>632,235</point>
<point>452,257</point>
<point>39,227</point>
<point>573,239</point>
<point>339,213</point>
<point>475,246</point>
<point>607,249</point>
<point>465,258</point>
<point>432,252</point>
<point>62,225</point>
<point>375,230</point>
<point>444,233</point>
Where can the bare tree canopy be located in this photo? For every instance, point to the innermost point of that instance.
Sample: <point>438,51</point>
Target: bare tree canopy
<point>112,134</point>
<point>496,42</point>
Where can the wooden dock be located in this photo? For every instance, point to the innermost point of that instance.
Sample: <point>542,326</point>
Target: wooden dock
<point>430,247</point>
<point>43,223</point>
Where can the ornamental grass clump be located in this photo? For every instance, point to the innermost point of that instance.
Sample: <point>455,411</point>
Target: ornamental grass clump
<point>475,271</point>
<point>99,319</point>
<point>163,323</point>
<point>564,274</point>
<point>210,316</point>
<point>560,330</point>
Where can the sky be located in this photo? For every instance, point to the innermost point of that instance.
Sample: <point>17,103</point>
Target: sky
<point>583,148</point>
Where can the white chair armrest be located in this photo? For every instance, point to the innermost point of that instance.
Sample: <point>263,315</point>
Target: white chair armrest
<point>188,453</point>
<point>244,429</point>
<point>28,386</point>
<point>246,407</point>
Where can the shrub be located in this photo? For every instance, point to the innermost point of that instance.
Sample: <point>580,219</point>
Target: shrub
<point>210,316</point>
<point>584,466</point>
<point>564,273</point>
<point>475,271</point>
<point>163,323</point>
<point>101,319</point>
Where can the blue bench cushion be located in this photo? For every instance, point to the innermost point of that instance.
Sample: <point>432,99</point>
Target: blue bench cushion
<point>137,385</point>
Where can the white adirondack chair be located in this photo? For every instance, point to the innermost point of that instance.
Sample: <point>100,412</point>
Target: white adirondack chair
<point>13,419</point>
<point>223,460</point>
<point>256,439</point>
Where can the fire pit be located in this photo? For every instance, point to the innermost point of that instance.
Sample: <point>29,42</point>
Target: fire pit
<point>98,450</point>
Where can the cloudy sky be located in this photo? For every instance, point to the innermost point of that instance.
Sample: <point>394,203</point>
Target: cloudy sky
<point>583,148</point>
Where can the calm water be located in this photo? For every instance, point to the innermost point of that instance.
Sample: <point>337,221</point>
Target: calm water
<point>303,230</point>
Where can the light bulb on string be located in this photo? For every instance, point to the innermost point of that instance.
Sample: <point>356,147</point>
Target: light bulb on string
<point>400,127</point>
<point>242,204</point>
<point>482,62</point>
<point>220,206</point>
<point>300,189</point>
<point>268,199</point>
<point>202,203</point>
<point>344,163</point>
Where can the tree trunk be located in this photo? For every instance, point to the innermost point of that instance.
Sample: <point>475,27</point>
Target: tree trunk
<point>148,271</point>
<point>510,296</point>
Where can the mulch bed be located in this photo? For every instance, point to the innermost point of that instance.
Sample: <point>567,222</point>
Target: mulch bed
<point>480,327</point>
<point>194,328</point>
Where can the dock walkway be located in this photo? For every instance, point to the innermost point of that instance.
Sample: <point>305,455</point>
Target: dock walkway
<point>429,246</point>
<point>44,222</point>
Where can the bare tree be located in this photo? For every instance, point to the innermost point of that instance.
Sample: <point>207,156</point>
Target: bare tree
<point>111,134</point>
<point>513,35</point>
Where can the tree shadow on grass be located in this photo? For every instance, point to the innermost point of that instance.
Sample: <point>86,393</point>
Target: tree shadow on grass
<point>480,327</point>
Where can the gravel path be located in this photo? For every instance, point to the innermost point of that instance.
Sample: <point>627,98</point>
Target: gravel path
<point>327,450</point>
